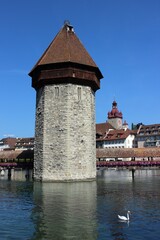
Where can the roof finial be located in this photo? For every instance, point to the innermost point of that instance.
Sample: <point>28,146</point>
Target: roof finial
<point>68,26</point>
<point>67,23</point>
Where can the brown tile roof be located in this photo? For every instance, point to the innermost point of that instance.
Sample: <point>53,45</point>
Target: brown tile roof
<point>100,153</point>
<point>149,129</point>
<point>151,125</point>
<point>19,154</point>
<point>118,134</point>
<point>28,139</point>
<point>127,152</point>
<point>10,141</point>
<point>102,128</point>
<point>66,47</point>
<point>112,134</point>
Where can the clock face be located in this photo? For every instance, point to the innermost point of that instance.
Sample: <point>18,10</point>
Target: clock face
<point>119,122</point>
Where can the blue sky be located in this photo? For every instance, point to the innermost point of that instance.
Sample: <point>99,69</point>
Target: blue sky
<point>122,36</point>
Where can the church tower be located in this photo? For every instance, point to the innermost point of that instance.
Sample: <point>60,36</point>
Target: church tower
<point>115,117</point>
<point>65,79</point>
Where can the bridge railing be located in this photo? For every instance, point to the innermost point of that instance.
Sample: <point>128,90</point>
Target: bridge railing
<point>127,163</point>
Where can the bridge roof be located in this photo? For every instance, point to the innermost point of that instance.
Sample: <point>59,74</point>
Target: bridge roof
<point>100,153</point>
<point>127,152</point>
<point>19,154</point>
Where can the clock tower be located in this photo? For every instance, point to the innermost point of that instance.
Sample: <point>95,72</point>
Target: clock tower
<point>115,117</point>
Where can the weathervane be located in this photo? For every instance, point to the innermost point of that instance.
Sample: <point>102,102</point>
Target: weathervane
<point>67,22</point>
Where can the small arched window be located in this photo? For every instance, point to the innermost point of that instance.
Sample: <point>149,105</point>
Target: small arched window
<point>79,93</point>
<point>56,92</point>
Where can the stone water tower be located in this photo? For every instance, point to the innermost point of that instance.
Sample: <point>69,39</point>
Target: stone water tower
<point>65,79</point>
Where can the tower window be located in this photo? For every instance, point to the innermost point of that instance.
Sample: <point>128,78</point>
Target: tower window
<point>56,92</point>
<point>79,93</point>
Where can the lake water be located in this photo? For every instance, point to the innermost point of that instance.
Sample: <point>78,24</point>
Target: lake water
<point>81,211</point>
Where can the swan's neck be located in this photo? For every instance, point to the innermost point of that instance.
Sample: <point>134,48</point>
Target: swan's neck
<point>128,216</point>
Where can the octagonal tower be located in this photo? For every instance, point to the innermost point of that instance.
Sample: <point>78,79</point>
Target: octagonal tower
<point>65,79</point>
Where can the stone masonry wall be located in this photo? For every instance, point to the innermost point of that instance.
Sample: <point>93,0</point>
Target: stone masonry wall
<point>65,133</point>
<point>39,129</point>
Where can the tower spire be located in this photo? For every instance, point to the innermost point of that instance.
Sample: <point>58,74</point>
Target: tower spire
<point>115,116</point>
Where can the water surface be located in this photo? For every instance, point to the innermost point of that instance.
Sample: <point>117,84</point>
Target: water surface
<point>84,210</point>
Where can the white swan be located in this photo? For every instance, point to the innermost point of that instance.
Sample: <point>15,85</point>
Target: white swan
<point>2,173</point>
<point>125,218</point>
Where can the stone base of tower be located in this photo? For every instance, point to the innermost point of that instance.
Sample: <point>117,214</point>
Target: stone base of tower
<point>65,145</point>
<point>66,170</point>
<point>66,177</point>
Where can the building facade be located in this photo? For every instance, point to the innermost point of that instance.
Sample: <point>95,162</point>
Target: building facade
<point>24,144</point>
<point>148,135</point>
<point>114,133</point>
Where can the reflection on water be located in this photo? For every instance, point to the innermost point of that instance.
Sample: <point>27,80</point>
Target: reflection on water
<point>82,210</point>
<point>65,210</point>
<point>15,174</point>
<point>16,205</point>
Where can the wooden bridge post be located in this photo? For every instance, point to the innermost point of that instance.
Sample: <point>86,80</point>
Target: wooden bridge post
<point>9,173</point>
<point>133,171</point>
<point>27,175</point>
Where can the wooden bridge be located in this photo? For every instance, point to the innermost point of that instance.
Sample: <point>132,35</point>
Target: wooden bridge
<point>141,157</point>
<point>133,153</point>
<point>17,158</point>
<point>25,157</point>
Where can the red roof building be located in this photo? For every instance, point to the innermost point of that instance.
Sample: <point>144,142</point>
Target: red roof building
<point>114,133</point>
<point>7,143</point>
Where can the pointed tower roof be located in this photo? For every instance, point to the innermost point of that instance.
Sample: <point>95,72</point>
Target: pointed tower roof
<point>66,47</point>
<point>114,113</point>
<point>66,50</point>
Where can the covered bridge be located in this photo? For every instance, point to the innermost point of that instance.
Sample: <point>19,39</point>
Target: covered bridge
<point>16,155</point>
<point>133,153</point>
<point>101,153</point>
